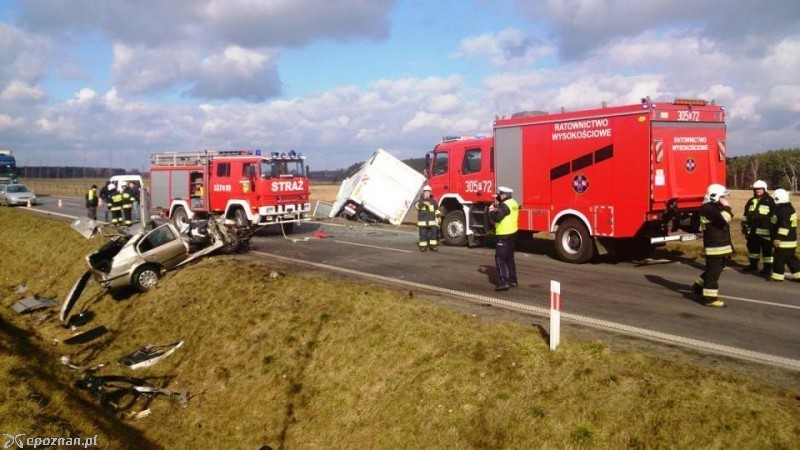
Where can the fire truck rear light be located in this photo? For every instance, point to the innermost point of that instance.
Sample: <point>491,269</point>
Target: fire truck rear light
<point>650,217</point>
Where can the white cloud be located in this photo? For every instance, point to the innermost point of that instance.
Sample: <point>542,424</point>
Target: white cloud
<point>508,48</point>
<point>19,91</point>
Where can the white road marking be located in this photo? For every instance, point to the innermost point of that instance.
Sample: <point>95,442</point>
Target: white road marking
<point>371,246</point>
<point>735,352</point>
<point>749,300</point>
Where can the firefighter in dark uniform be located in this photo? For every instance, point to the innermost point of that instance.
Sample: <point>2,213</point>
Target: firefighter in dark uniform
<point>115,206</point>
<point>127,205</point>
<point>715,218</point>
<point>505,214</point>
<point>784,236</point>
<point>427,220</point>
<point>755,227</point>
<point>92,201</point>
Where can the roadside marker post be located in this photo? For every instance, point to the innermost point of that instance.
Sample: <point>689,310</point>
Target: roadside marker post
<point>555,314</point>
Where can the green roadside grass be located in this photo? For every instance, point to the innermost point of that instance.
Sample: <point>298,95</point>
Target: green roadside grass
<point>286,357</point>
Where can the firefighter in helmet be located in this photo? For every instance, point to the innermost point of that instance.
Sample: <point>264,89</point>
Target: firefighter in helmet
<point>755,227</point>
<point>784,237</point>
<point>115,206</point>
<point>127,204</point>
<point>715,218</point>
<point>428,215</point>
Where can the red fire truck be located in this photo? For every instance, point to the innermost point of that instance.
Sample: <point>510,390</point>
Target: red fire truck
<point>252,189</point>
<point>615,179</point>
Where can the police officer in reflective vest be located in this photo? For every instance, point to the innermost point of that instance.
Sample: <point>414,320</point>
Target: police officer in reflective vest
<point>427,220</point>
<point>784,237</point>
<point>755,227</point>
<point>115,205</point>
<point>92,201</point>
<point>505,214</point>
<point>715,218</point>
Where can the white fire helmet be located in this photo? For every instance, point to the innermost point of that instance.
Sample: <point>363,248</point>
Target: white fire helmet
<point>780,196</point>
<point>112,187</point>
<point>760,184</point>
<point>427,187</point>
<point>716,192</point>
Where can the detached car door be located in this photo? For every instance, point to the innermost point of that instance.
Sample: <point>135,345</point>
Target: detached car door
<point>163,246</point>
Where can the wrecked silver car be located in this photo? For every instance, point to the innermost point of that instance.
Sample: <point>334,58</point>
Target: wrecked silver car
<point>138,256</point>
<point>139,259</point>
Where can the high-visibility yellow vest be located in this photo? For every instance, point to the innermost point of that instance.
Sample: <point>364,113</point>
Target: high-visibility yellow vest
<point>510,223</point>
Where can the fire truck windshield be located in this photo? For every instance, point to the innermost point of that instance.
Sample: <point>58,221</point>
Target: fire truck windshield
<point>278,168</point>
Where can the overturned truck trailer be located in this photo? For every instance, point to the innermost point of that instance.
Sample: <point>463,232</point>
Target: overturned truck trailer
<point>382,190</point>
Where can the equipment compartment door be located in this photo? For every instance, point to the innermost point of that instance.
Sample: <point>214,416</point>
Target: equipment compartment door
<point>603,220</point>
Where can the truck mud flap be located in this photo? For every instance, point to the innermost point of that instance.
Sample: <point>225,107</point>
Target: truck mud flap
<point>74,295</point>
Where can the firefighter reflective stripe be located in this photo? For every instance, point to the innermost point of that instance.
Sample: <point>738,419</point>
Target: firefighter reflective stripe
<point>510,223</point>
<point>727,216</point>
<point>762,231</point>
<point>763,210</point>
<point>777,276</point>
<point>127,200</point>
<point>428,223</point>
<point>116,202</point>
<point>783,231</point>
<point>710,293</point>
<point>723,250</point>
<point>788,244</point>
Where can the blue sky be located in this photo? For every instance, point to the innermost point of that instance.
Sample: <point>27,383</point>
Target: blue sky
<point>107,83</point>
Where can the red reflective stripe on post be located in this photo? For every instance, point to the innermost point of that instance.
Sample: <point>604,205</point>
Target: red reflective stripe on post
<point>555,295</point>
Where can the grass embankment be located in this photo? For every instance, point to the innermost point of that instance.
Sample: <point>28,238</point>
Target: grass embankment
<point>292,358</point>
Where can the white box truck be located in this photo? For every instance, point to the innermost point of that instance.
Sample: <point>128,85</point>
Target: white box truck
<point>382,190</point>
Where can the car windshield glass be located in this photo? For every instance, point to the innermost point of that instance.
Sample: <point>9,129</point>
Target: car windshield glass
<point>17,188</point>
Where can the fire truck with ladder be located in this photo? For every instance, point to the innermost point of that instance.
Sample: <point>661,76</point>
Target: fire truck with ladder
<point>252,189</point>
<point>618,179</point>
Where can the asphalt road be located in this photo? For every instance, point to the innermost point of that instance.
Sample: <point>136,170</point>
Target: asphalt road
<point>652,299</point>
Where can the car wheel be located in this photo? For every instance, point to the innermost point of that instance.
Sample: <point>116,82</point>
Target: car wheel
<point>145,277</point>
<point>233,241</point>
<point>454,228</point>
<point>573,242</point>
<point>240,217</point>
<point>180,219</point>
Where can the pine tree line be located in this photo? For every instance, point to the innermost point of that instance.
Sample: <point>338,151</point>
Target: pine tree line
<point>779,168</point>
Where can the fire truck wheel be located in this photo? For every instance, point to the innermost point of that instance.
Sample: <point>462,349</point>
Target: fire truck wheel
<point>454,228</point>
<point>179,218</point>
<point>573,242</point>
<point>145,277</point>
<point>240,217</point>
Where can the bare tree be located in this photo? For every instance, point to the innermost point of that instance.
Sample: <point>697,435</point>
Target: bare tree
<point>754,163</point>
<point>791,172</point>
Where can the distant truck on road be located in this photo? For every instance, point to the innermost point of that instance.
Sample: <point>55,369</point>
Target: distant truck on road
<point>9,173</point>
<point>615,179</point>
